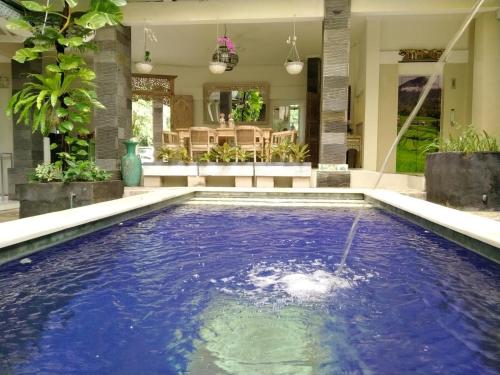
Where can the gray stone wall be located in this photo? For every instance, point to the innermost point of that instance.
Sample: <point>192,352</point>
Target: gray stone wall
<point>28,146</point>
<point>112,125</point>
<point>334,93</point>
<point>335,85</point>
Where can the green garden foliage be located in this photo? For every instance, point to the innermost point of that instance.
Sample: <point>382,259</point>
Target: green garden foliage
<point>179,154</point>
<point>63,98</point>
<point>468,141</point>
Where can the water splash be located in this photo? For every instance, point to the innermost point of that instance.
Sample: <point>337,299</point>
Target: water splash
<point>438,69</point>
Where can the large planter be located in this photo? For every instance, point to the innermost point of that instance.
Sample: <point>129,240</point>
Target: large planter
<point>469,181</point>
<point>225,169</point>
<point>41,198</point>
<point>283,169</point>
<point>131,165</point>
<point>169,169</point>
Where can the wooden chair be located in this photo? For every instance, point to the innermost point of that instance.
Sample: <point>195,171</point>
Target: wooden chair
<point>171,140</point>
<point>278,137</point>
<point>249,138</point>
<point>200,140</point>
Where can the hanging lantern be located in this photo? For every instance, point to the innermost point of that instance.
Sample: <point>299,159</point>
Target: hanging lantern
<point>293,65</point>
<point>225,55</point>
<point>225,52</point>
<point>146,66</point>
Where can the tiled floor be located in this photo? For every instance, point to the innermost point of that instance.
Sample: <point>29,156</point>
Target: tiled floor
<point>9,210</point>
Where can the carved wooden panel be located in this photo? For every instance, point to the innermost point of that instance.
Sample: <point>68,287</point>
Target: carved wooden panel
<point>181,112</point>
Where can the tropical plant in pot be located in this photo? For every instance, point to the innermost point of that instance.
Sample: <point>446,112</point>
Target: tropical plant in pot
<point>463,171</point>
<point>63,97</point>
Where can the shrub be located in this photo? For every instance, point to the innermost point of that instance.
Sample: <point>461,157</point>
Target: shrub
<point>468,141</point>
<point>173,154</point>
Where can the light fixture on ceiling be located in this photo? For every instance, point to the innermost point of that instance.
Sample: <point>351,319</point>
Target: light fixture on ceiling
<point>293,65</point>
<point>146,66</point>
<point>217,65</point>
<point>225,52</point>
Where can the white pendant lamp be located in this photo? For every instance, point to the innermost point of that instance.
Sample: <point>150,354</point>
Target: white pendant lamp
<point>217,66</point>
<point>146,66</point>
<point>293,65</point>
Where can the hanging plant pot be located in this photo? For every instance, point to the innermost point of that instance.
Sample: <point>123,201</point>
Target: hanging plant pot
<point>225,55</point>
<point>294,67</point>
<point>217,67</point>
<point>144,67</point>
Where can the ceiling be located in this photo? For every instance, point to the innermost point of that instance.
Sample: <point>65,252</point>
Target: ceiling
<point>256,44</point>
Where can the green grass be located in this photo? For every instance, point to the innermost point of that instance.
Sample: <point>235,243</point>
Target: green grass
<point>409,156</point>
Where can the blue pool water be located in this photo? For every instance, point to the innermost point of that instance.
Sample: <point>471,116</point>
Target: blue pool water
<point>224,290</point>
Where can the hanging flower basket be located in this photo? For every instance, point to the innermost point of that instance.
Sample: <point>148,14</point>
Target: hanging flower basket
<point>225,53</point>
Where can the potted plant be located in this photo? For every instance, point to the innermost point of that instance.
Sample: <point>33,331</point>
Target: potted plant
<point>62,100</point>
<point>464,171</point>
<point>226,160</point>
<point>171,161</point>
<point>146,65</point>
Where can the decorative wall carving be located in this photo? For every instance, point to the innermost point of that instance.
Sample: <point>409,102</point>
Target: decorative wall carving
<point>153,86</point>
<point>181,108</point>
<point>420,55</point>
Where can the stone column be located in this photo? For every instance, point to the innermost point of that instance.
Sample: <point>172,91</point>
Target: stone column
<point>112,125</point>
<point>334,93</point>
<point>157,123</point>
<point>28,146</point>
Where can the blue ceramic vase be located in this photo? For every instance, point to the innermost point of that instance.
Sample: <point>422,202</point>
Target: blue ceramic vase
<point>131,165</point>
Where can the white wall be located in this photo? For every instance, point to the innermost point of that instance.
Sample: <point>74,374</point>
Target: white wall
<point>284,88</point>
<point>395,33</point>
<point>486,80</point>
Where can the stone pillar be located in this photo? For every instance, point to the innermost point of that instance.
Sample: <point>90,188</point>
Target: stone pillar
<point>28,146</point>
<point>157,123</point>
<point>334,93</point>
<point>112,125</point>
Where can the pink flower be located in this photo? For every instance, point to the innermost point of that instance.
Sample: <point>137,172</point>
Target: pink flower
<point>226,41</point>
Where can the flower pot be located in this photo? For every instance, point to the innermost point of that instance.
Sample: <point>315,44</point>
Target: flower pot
<point>131,165</point>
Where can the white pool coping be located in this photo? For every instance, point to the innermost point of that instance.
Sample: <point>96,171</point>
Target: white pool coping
<point>22,230</point>
<point>477,227</point>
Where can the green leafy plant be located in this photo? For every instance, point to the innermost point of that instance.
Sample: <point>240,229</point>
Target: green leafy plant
<point>63,97</point>
<point>47,173</point>
<point>298,152</point>
<point>224,153</point>
<point>84,170</point>
<point>248,106</point>
<point>179,154</point>
<point>242,155</point>
<point>282,151</point>
<point>208,157</point>
<point>468,141</point>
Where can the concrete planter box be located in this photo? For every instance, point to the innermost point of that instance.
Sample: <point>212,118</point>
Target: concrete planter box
<point>41,198</point>
<point>283,169</point>
<point>170,169</point>
<point>300,174</point>
<point>225,169</point>
<point>470,181</point>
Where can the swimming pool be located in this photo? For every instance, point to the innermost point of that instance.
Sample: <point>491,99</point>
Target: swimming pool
<point>224,290</point>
